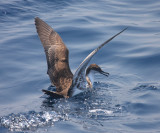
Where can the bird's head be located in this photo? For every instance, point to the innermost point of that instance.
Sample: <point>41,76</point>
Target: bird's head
<point>93,68</point>
<point>96,68</point>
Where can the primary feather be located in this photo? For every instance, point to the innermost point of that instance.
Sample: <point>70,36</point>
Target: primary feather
<point>56,55</point>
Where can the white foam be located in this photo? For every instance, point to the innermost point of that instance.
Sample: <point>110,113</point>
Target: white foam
<point>31,120</point>
<point>109,112</point>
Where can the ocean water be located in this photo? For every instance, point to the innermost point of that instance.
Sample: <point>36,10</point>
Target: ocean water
<point>127,101</point>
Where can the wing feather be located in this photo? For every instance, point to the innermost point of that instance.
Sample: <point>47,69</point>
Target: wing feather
<point>56,55</point>
<point>79,76</point>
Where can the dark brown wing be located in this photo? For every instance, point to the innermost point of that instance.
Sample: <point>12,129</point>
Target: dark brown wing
<point>56,55</point>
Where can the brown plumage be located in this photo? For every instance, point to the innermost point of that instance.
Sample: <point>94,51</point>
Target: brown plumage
<point>57,57</point>
<point>61,77</point>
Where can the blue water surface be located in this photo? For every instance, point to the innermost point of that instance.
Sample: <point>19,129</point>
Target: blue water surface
<point>125,102</point>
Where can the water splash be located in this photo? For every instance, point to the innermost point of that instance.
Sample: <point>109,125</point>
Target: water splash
<point>109,112</point>
<point>30,121</point>
<point>90,108</point>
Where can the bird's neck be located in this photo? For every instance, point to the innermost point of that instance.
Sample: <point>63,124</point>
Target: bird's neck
<point>90,78</point>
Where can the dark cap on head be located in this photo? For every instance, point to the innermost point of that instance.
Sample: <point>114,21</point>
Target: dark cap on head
<point>95,67</point>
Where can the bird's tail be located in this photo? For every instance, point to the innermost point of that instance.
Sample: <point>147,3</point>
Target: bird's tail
<point>53,94</point>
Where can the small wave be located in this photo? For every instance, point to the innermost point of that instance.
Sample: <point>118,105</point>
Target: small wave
<point>142,108</point>
<point>147,87</point>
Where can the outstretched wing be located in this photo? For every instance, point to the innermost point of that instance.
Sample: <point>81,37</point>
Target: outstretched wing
<point>79,76</point>
<point>56,55</point>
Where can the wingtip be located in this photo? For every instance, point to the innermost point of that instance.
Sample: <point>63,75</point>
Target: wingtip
<point>37,21</point>
<point>124,30</point>
<point>36,18</point>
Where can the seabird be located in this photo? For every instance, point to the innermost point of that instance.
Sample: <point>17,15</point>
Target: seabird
<point>67,84</point>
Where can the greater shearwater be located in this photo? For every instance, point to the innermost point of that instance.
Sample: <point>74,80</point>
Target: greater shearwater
<point>67,84</point>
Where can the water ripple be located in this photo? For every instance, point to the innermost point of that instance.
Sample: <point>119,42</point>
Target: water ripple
<point>127,101</point>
